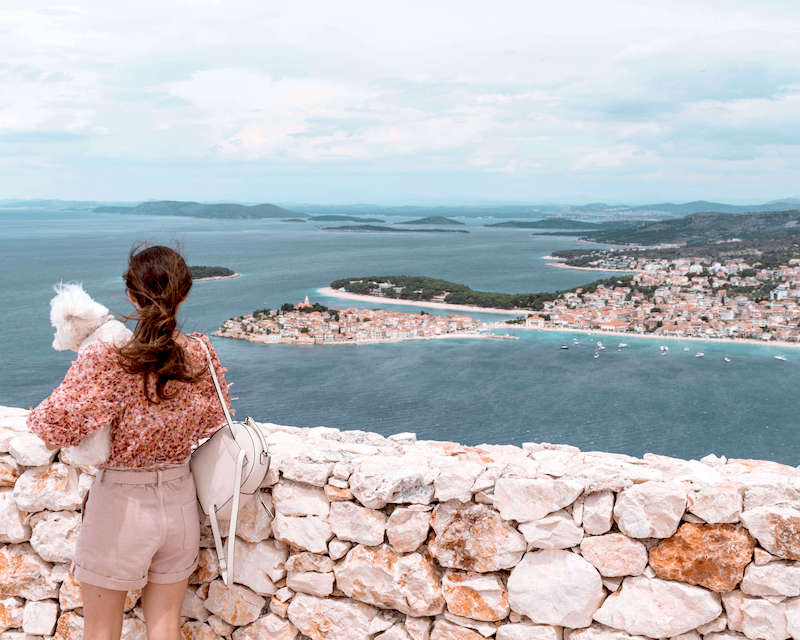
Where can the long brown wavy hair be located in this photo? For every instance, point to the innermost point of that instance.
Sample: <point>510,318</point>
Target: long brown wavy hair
<point>158,280</point>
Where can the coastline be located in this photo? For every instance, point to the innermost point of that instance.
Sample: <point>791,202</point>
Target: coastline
<point>356,343</point>
<point>652,336</point>
<point>335,293</point>
<point>556,262</point>
<point>233,275</point>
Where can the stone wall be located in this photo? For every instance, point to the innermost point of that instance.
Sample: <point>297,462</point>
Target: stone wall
<point>397,539</point>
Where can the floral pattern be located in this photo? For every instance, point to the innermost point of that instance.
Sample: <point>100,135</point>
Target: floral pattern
<point>96,392</point>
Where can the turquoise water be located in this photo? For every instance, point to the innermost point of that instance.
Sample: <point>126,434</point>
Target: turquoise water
<point>468,390</point>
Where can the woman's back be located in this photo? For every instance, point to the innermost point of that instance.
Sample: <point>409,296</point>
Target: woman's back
<point>97,392</point>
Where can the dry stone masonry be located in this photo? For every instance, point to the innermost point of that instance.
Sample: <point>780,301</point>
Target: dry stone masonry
<point>379,538</point>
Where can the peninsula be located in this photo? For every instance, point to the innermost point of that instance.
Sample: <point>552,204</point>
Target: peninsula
<point>374,228</point>
<point>314,324</point>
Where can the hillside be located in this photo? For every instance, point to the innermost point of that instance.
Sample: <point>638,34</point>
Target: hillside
<point>431,220</point>
<point>200,210</point>
<point>704,228</point>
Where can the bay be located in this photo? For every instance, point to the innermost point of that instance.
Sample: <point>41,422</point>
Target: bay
<point>630,401</point>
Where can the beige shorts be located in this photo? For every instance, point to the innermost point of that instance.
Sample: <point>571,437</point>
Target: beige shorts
<point>138,527</point>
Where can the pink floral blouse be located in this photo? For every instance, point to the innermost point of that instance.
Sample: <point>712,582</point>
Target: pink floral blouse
<point>97,392</point>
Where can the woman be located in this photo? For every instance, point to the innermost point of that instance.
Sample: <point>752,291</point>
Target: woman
<point>140,519</point>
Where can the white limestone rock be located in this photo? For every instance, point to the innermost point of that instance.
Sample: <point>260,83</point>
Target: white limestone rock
<point>338,548</point>
<point>355,523</point>
<point>763,620</point>
<point>330,618</point>
<point>598,513</point>
<point>69,627</point>
<point>773,579</point>
<point>716,503</point>
<point>296,499</point>
<point>479,596</point>
<point>383,620</point>
<point>407,529</point>
<point>268,626</point>
<point>235,604</point>
<point>310,532</point>
<point>12,611</point>
<point>55,534</point>
<point>54,487</point>
<point>555,587</point>
<point>9,470</point>
<point>777,529</point>
<point>651,509</point>
<point>527,631</point>
<point>761,557</point>
<point>380,480</point>
<point>24,574</point>
<point>13,524</point>
<point>29,450</point>
<point>311,582</point>
<point>195,630</point>
<point>455,478</point>
<point>474,537</point>
<point>658,608</point>
<point>395,632</point>
<point>39,617</point>
<point>717,625</point>
<point>597,631</point>
<point>525,499</point>
<point>306,561</point>
<point>615,555</point>
<point>486,629</point>
<point>418,628</point>
<point>792,612</point>
<point>219,626</point>
<point>379,576</point>
<point>194,606</point>
<point>313,473</point>
<point>255,522</point>
<point>135,629</point>
<point>555,531</point>
<point>257,565</point>
<point>446,630</point>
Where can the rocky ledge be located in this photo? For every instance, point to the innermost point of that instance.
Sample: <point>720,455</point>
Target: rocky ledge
<point>392,538</point>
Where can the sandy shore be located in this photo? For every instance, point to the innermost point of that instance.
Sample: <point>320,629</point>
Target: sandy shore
<point>233,275</point>
<point>335,293</point>
<point>556,262</point>
<point>355,343</point>
<point>650,336</point>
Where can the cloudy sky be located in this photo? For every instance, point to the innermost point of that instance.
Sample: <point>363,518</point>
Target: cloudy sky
<point>400,102</point>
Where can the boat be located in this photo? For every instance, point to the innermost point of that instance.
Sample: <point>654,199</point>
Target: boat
<point>575,341</point>
<point>563,346</point>
<point>726,359</point>
<point>664,348</point>
<point>780,358</point>
<point>600,346</point>
<point>596,354</point>
<point>686,348</point>
<point>699,354</point>
<point>622,345</point>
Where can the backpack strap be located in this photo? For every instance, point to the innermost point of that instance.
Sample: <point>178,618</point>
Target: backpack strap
<point>216,381</point>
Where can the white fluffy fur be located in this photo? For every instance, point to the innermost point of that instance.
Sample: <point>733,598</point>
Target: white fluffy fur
<point>80,321</point>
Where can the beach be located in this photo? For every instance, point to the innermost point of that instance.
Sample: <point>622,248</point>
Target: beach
<point>233,275</point>
<point>556,262</point>
<point>336,293</point>
<point>355,343</point>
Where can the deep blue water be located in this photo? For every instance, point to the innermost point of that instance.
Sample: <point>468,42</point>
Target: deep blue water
<point>471,391</point>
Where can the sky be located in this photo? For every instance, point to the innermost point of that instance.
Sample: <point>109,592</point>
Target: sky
<point>432,102</point>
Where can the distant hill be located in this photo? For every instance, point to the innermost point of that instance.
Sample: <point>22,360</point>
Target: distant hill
<point>547,223</point>
<point>379,229</point>
<point>340,218</point>
<point>431,220</point>
<point>704,228</point>
<point>199,210</point>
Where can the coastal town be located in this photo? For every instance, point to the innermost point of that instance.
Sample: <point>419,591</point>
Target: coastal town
<point>685,297</point>
<point>314,324</point>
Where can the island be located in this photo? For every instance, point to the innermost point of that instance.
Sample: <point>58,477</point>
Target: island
<point>211,273</point>
<point>431,220</point>
<point>342,218</point>
<point>373,228</point>
<point>294,220</point>
<point>546,223</point>
<point>314,324</point>
<point>200,210</point>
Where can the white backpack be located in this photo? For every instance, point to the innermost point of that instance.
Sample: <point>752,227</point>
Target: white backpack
<point>231,463</point>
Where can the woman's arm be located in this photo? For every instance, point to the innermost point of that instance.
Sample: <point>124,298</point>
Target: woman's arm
<point>85,401</point>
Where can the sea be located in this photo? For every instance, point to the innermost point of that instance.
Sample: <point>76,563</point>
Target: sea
<point>630,400</point>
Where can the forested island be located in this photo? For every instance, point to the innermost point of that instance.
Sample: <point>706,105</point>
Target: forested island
<point>431,220</point>
<point>200,210</point>
<point>211,273</point>
<point>373,228</point>
<point>548,223</point>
